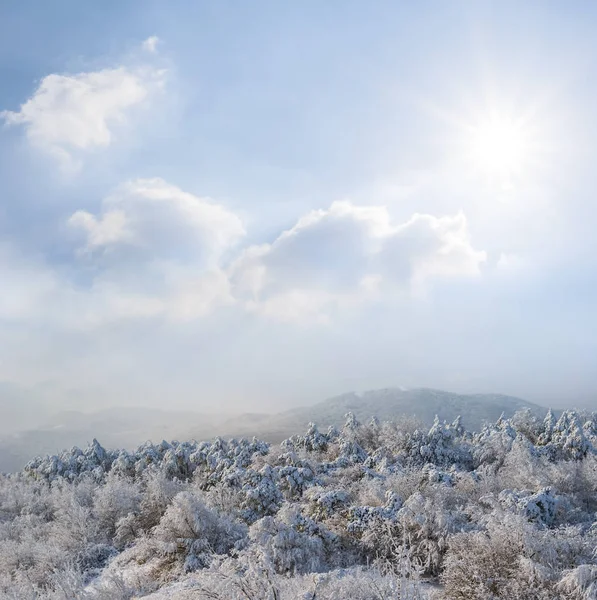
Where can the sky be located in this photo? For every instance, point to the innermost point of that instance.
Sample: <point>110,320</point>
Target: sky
<point>227,205</point>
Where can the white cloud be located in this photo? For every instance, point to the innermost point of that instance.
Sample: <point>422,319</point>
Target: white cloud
<point>157,252</point>
<point>428,247</point>
<point>151,44</point>
<point>162,222</point>
<point>343,255</point>
<point>153,251</point>
<point>110,228</point>
<point>70,114</point>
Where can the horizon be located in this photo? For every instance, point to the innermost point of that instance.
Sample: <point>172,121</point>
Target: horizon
<point>24,438</point>
<point>259,207</point>
<point>586,404</point>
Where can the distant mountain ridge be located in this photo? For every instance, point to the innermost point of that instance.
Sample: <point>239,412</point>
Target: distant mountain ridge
<point>128,427</point>
<point>390,403</point>
<point>425,404</point>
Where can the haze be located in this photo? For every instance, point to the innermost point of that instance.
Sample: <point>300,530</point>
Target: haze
<point>233,207</point>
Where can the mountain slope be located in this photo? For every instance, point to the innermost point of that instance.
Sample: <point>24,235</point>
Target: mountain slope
<point>127,427</point>
<point>421,403</point>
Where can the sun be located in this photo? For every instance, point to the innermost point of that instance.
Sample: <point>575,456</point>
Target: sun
<point>499,146</point>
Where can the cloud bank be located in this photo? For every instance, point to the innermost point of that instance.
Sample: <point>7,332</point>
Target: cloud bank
<point>154,250</point>
<point>347,253</point>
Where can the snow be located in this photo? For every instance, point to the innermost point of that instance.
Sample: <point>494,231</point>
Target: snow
<point>370,511</point>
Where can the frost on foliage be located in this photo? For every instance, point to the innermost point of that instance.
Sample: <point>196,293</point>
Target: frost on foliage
<point>193,533</point>
<point>442,447</point>
<point>351,453</point>
<point>382,461</point>
<point>363,517</point>
<point>432,474</point>
<point>262,494</point>
<point>568,438</point>
<point>493,443</point>
<point>544,507</point>
<point>511,558</point>
<point>479,510</point>
<point>445,444</point>
<point>549,423</point>
<point>426,524</point>
<point>326,503</point>
<point>70,464</point>
<point>256,580</point>
<point>351,425</point>
<point>292,542</point>
<point>177,460</point>
<point>312,441</point>
<point>294,480</point>
<point>295,474</point>
<point>579,583</point>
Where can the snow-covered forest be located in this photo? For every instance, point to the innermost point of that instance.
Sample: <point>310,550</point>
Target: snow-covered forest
<point>373,511</point>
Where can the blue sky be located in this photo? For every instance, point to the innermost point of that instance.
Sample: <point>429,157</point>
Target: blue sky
<point>261,204</point>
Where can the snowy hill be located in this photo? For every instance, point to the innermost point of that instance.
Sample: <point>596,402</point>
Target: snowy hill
<point>366,511</point>
<point>422,403</point>
<point>128,427</point>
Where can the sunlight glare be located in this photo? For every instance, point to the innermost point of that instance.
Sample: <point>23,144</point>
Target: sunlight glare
<point>499,146</point>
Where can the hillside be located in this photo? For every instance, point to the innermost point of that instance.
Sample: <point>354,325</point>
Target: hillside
<point>127,427</point>
<point>363,511</point>
<point>387,404</point>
